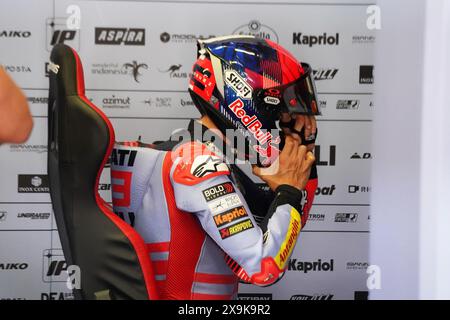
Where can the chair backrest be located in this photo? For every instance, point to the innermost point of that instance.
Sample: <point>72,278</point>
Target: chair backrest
<point>111,255</point>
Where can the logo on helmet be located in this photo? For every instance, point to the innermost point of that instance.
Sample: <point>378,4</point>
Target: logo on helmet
<point>250,122</point>
<point>238,84</point>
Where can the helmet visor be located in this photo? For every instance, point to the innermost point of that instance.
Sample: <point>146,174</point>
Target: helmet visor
<point>298,96</point>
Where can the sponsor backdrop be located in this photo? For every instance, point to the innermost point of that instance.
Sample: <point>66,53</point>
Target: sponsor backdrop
<point>137,58</point>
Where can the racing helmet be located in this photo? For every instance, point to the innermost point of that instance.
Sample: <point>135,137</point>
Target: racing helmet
<point>245,83</point>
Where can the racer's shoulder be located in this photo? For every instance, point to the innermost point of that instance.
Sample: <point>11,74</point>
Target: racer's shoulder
<point>197,163</point>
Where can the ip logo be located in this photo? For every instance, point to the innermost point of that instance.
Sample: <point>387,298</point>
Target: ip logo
<point>54,266</point>
<point>57,32</point>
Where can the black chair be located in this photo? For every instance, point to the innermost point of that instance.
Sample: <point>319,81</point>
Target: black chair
<point>112,256</point>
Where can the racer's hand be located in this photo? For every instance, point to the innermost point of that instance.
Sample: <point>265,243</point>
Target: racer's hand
<point>292,167</point>
<point>301,121</point>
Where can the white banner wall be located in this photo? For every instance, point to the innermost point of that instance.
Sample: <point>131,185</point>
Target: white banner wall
<point>331,258</point>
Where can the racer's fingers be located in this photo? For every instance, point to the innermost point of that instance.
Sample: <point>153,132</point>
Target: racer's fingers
<point>288,150</point>
<point>285,118</point>
<point>313,124</point>
<point>308,126</point>
<point>301,154</point>
<point>309,160</point>
<point>299,122</point>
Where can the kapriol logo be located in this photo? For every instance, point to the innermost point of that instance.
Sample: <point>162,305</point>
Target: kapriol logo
<point>257,29</point>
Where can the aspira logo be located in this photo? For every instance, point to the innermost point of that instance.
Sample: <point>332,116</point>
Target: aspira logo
<point>118,36</point>
<point>307,266</point>
<point>313,40</point>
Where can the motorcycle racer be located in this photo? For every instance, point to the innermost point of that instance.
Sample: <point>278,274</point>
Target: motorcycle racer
<point>207,225</point>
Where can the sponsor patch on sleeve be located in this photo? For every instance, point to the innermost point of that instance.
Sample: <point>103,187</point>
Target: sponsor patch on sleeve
<point>290,239</point>
<point>230,216</point>
<point>204,165</point>
<point>224,203</point>
<point>218,191</point>
<point>236,228</point>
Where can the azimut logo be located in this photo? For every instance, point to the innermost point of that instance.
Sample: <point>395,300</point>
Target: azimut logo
<point>313,40</point>
<point>257,29</point>
<point>118,36</point>
<point>31,183</point>
<point>115,102</point>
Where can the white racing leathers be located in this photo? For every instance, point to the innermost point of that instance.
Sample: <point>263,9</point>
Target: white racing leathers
<point>200,233</point>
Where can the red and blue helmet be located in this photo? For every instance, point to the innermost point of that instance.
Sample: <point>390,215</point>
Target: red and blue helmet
<point>245,83</point>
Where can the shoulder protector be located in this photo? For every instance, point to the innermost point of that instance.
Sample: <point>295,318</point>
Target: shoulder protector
<point>197,163</point>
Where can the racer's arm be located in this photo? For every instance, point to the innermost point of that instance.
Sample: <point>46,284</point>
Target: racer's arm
<point>259,196</point>
<point>258,255</point>
<point>16,122</point>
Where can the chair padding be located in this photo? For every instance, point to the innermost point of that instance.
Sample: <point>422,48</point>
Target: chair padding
<point>112,256</point>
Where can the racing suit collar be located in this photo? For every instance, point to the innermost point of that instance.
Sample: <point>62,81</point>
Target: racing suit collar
<point>197,131</point>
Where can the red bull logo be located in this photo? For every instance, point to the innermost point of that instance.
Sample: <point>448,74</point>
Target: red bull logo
<point>250,122</point>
